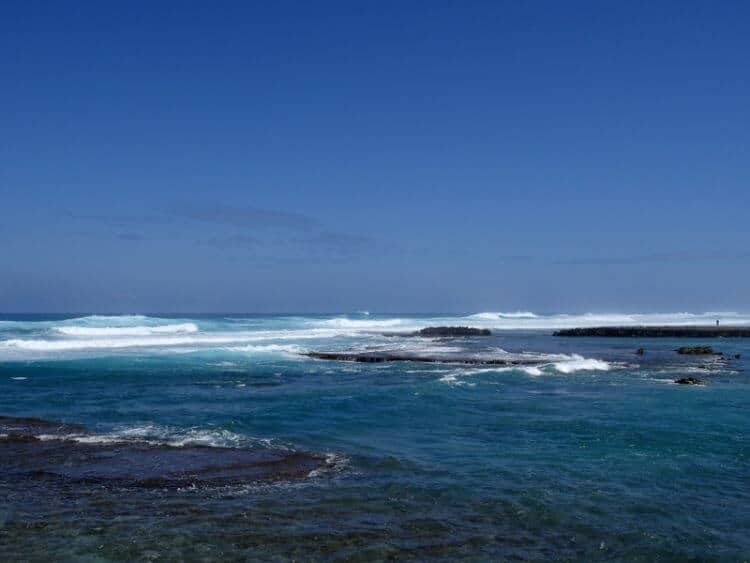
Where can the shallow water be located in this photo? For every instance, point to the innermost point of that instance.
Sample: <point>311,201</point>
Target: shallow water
<point>594,454</point>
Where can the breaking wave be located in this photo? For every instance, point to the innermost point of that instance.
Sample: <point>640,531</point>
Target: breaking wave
<point>527,320</point>
<point>579,363</point>
<point>365,324</point>
<point>533,321</point>
<point>40,345</point>
<point>561,363</point>
<point>99,334</point>
<point>289,349</point>
<point>495,316</point>
<point>183,328</point>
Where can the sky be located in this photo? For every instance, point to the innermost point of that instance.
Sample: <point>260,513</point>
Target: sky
<point>382,156</point>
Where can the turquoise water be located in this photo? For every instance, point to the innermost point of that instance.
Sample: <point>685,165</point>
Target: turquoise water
<point>593,454</point>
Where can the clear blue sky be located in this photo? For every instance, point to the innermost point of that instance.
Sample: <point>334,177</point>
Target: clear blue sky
<point>390,156</point>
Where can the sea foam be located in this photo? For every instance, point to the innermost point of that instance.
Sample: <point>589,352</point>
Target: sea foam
<point>163,436</point>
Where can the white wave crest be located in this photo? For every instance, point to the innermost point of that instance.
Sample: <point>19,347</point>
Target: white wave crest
<point>562,363</point>
<point>119,319</point>
<point>79,331</point>
<point>579,363</point>
<point>111,343</point>
<point>204,340</point>
<point>363,324</point>
<point>494,316</point>
<point>291,349</point>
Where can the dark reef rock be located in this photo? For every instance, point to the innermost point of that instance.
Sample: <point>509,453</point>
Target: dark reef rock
<point>659,331</point>
<point>453,331</point>
<point>444,331</point>
<point>379,357</point>
<point>62,454</point>
<point>697,351</point>
<point>26,426</point>
<point>689,381</point>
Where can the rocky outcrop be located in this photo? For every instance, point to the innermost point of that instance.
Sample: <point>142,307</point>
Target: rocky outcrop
<point>453,331</point>
<point>444,332</point>
<point>689,381</point>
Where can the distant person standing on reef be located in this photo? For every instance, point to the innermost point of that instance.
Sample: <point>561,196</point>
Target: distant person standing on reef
<point>717,322</point>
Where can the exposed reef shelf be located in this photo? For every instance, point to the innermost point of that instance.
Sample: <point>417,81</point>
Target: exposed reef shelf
<point>698,351</point>
<point>453,331</point>
<point>660,331</point>
<point>39,449</point>
<point>444,331</point>
<point>689,381</point>
<point>379,357</point>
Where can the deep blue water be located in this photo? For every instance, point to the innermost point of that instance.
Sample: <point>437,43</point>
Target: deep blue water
<point>594,454</point>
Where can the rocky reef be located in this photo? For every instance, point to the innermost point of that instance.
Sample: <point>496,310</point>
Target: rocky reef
<point>444,332</point>
<point>33,449</point>
<point>379,357</point>
<point>659,331</point>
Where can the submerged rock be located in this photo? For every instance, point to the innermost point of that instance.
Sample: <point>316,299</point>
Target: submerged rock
<point>698,351</point>
<point>39,449</point>
<point>689,381</point>
<point>27,426</point>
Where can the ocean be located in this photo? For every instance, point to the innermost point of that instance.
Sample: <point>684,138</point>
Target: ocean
<point>213,437</point>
